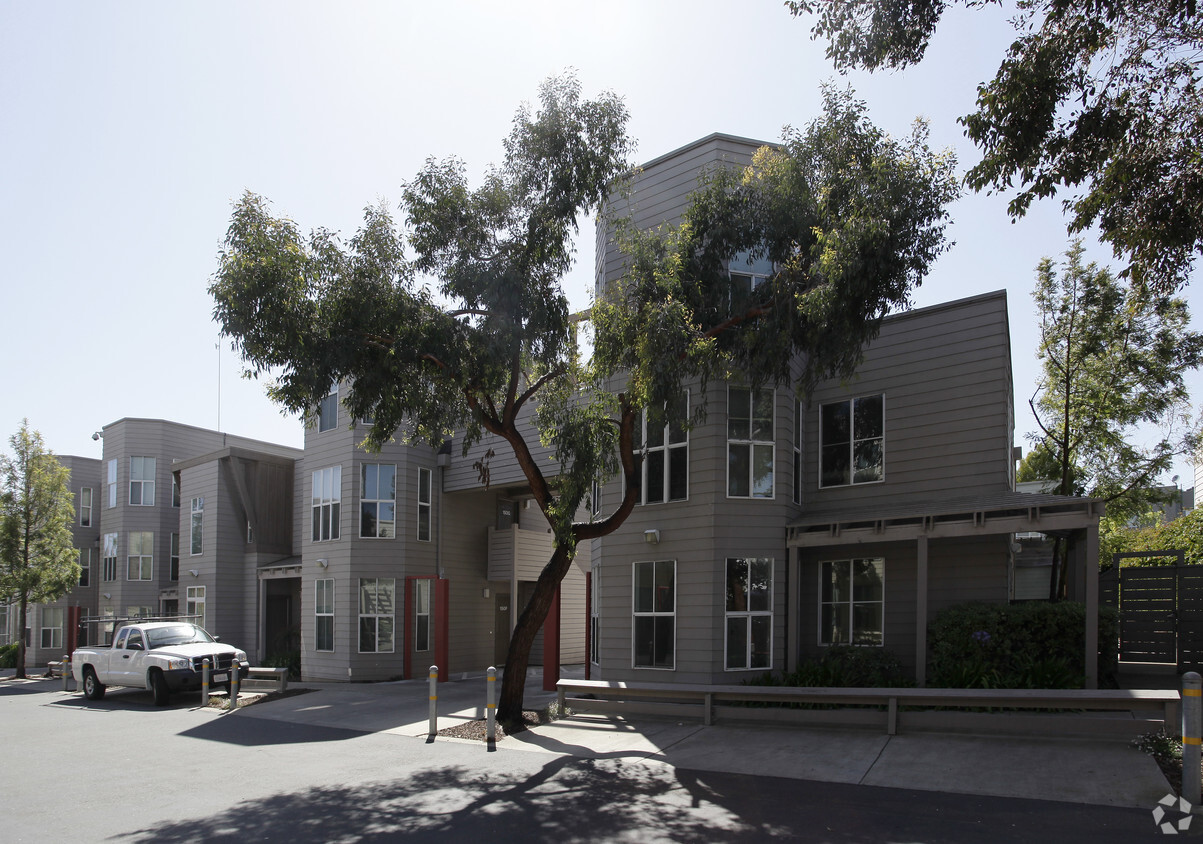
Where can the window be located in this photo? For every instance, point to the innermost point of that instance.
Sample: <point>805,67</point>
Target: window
<point>424,476</point>
<point>198,526</point>
<point>798,417</point>
<point>195,606</point>
<point>174,571</point>
<point>108,550</point>
<point>5,636</point>
<point>250,533</point>
<point>141,555</point>
<point>749,612</point>
<point>85,566</point>
<point>852,441</point>
<point>85,506</point>
<point>323,614</point>
<point>112,482</point>
<point>594,615</point>
<point>52,627</point>
<point>665,456</point>
<point>422,614</point>
<point>851,597</point>
<point>327,495</point>
<point>655,621</point>
<point>749,443</point>
<point>747,274</point>
<point>376,614</point>
<point>142,481</point>
<point>106,629</point>
<point>378,501</point>
<point>175,490</point>
<point>327,410</point>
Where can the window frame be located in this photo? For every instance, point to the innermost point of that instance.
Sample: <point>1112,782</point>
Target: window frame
<point>853,441</point>
<point>376,500</point>
<point>423,618</point>
<point>194,597</point>
<point>424,507</point>
<point>47,625</point>
<point>851,603</point>
<point>111,480</point>
<point>85,565</point>
<point>752,443</point>
<point>108,562</point>
<point>748,614</point>
<point>173,571</point>
<point>666,448</point>
<point>323,613</point>
<point>327,410</point>
<point>654,614</point>
<point>594,614</point>
<point>378,617</point>
<point>138,478</point>
<point>146,561</point>
<point>85,506</point>
<point>799,418</point>
<point>330,508</point>
<point>196,533</point>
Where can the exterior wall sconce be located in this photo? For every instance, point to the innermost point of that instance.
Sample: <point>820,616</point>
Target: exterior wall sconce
<point>194,572</point>
<point>652,537</point>
<point>107,596</point>
<point>484,593</point>
<point>324,563</point>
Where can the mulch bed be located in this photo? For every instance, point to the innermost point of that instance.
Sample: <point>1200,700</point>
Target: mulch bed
<point>476,730</point>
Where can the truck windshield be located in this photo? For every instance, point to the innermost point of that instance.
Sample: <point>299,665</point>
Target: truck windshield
<point>178,634</point>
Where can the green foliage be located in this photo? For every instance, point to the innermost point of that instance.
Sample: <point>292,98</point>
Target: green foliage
<point>38,560</point>
<point>844,666</point>
<point>285,659</point>
<point>1101,99</point>
<point>8,655</point>
<point>1184,533</point>
<point>1162,746</point>
<point>1017,646</point>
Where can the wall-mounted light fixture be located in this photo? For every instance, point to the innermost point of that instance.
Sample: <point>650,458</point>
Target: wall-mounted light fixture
<point>107,596</point>
<point>323,563</point>
<point>194,572</point>
<point>484,593</point>
<point>652,537</point>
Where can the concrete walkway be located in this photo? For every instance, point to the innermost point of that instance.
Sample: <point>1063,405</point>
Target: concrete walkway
<point>1096,771</point>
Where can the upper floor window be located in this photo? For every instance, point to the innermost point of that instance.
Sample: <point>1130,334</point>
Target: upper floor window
<point>665,446</point>
<point>173,572</point>
<point>747,273</point>
<point>327,410</point>
<point>327,499</point>
<point>198,525</point>
<point>798,417</point>
<point>852,441</point>
<point>142,481</point>
<point>85,565</point>
<point>85,506</point>
<point>424,497</point>
<point>378,500</point>
<point>750,443</point>
<point>175,491</point>
<point>112,483</point>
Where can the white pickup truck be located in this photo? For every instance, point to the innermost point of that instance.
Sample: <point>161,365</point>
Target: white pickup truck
<point>163,657</point>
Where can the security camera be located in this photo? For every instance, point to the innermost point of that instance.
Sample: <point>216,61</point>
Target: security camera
<point>96,436</point>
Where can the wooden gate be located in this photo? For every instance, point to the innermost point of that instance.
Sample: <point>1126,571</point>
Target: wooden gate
<point>1160,611</point>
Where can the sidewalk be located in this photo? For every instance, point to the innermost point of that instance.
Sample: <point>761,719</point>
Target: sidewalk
<point>1101,772</point>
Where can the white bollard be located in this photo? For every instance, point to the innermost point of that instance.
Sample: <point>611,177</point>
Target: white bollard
<point>235,670</point>
<point>205,682</point>
<point>1192,735</point>
<point>434,700</point>
<point>491,706</point>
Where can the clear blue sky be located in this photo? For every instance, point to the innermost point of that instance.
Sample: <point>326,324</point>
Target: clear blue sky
<point>128,129</point>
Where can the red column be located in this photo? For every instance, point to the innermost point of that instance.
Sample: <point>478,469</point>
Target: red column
<point>551,645</point>
<point>442,596</point>
<point>73,616</point>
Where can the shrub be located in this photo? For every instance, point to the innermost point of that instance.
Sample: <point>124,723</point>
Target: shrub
<point>1029,645</point>
<point>844,666</point>
<point>285,659</point>
<point>8,656</point>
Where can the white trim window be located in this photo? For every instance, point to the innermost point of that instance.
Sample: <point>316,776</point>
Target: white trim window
<point>327,410</point>
<point>594,614</point>
<point>142,481</point>
<point>799,416</point>
<point>378,500</point>
<point>108,550</point>
<point>665,468</point>
<point>749,443</point>
<point>85,506</point>
<point>173,571</point>
<point>852,441</point>
<point>52,628</point>
<point>197,542</point>
<point>5,636</point>
<point>112,483</point>
<point>747,274</point>
<point>425,481</point>
<point>422,614</point>
<point>749,612</point>
<point>654,614</point>
<point>175,491</point>
<point>327,499</point>
<point>376,606</point>
<point>852,602</point>
<point>323,614</point>
<point>195,605</point>
<point>140,563</point>
<point>85,566</point>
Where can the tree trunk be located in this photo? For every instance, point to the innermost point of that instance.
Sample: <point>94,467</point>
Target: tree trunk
<point>513,683</point>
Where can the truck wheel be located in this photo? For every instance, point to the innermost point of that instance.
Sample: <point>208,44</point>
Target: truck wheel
<point>93,688</point>
<point>158,685</point>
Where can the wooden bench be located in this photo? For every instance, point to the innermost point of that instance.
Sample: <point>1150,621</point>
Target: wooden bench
<point>1163,703</point>
<point>278,675</point>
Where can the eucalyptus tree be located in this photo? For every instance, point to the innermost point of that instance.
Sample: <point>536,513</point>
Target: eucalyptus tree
<point>38,560</point>
<point>853,217</point>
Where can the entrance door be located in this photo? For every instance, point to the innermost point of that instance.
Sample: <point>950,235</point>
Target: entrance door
<point>501,627</point>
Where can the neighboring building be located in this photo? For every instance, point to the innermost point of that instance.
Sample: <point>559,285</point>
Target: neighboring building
<point>779,526</point>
